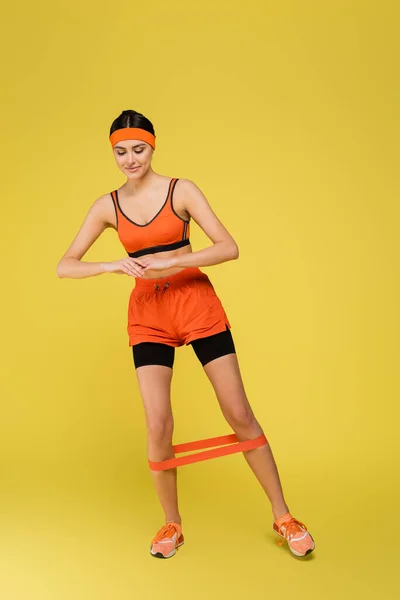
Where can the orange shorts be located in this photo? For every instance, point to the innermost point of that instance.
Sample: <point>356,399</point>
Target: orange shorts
<point>175,310</point>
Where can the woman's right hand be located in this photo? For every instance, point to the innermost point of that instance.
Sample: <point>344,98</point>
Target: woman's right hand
<point>125,266</point>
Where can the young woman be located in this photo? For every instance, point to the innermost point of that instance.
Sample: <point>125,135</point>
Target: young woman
<point>174,303</point>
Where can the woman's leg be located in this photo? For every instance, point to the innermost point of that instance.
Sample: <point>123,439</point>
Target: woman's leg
<point>155,388</point>
<point>225,377</point>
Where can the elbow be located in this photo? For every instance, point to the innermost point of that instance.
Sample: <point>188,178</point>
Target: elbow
<point>234,253</point>
<point>59,270</point>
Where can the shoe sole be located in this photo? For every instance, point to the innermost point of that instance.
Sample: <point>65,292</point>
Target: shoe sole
<point>294,551</point>
<point>170,555</point>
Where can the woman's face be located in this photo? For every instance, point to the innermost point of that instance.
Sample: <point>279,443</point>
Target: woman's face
<point>133,157</point>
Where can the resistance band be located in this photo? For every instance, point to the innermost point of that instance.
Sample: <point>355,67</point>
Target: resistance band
<point>171,463</point>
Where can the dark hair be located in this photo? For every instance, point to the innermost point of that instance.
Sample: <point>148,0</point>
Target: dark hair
<point>131,118</point>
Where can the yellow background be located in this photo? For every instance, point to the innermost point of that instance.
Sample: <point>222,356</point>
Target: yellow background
<point>285,114</point>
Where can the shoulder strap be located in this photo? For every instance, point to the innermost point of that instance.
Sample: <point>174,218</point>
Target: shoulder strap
<point>172,187</point>
<point>114,199</point>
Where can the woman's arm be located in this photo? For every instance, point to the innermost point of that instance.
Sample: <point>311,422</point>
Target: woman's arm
<point>224,247</point>
<point>96,221</point>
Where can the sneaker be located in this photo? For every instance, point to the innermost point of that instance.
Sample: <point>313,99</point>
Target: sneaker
<point>167,541</point>
<point>295,532</point>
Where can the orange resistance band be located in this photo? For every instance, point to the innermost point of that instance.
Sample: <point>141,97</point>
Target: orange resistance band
<point>171,463</point>
<point>132,133</point>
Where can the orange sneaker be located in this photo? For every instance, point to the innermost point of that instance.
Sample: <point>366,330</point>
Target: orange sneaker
<point>299,540</point>
<point>167,540</point>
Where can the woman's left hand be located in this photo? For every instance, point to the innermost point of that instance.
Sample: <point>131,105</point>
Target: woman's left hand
<point>156,263</point>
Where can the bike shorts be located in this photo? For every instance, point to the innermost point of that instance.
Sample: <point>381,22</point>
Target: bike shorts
<point>206,350</point>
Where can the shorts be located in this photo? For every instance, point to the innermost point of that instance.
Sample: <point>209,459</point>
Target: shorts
<point>175,310</point>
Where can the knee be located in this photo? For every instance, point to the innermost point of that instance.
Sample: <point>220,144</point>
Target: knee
<point>241,417</point>
<point>160,430</point>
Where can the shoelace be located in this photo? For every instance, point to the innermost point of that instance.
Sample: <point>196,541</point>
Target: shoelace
<point>167,531</point>
<point>166,286</point>
<point>290,529</point>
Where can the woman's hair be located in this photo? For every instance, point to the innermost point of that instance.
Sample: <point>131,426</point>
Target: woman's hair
<point>131,118</point>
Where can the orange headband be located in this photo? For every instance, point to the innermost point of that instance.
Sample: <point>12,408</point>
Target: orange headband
<point>133,133</point>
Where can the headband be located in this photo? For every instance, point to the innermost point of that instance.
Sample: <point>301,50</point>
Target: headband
<point>133,133</point>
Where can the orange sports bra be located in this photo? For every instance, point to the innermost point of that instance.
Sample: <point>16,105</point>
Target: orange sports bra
<point>166,230</point>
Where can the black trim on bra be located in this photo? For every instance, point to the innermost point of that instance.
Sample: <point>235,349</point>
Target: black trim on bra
<point>115,209</point>
<point>145,224</point>
<point>172,203</point>
<point>155,249</point>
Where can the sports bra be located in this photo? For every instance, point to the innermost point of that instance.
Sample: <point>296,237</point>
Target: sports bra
<point>166,230</point>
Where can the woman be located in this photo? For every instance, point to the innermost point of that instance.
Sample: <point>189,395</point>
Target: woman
<point>174,303</point>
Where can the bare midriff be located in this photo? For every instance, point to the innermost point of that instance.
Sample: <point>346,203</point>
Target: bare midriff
<point>156,274</point>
